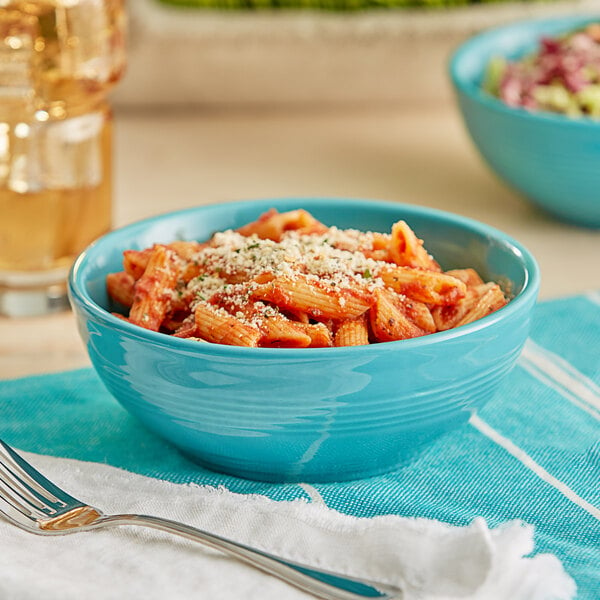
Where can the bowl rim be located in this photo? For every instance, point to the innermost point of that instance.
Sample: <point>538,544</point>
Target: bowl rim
<point>80,298</point>
<point>476,92</point>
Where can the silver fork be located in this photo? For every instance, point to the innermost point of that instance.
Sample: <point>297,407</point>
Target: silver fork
<point>37,505</point>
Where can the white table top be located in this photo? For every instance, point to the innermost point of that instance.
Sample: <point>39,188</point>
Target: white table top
<point>170,160</point>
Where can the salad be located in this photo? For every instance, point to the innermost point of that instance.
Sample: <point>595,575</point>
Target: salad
<point>563,76</point>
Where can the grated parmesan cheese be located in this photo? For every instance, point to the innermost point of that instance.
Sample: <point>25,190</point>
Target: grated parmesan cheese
<point>280,289</point>
<point>316,256</point>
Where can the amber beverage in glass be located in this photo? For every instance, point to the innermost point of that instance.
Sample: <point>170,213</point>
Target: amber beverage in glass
<point>59,59</point>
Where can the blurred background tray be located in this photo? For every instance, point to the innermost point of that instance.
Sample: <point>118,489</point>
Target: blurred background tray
<point>239,59</point>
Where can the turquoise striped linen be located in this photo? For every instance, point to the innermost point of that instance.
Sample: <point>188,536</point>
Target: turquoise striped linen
<point>532,454</point>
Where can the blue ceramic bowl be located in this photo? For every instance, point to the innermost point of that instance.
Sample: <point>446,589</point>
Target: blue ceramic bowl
<point>314,414</point>
<point>551,159</point>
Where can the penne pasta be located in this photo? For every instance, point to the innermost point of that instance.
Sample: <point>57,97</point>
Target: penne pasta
<point>353,332</point>
<point>313,298</point>
<point>187,328</point>
<point>188,251</point>
<point>470,277</point>
<point>320,335</point>
<point>422,285</point>
<point>119,287</point>
<point>389,320</point>
<point>279,332</point>
<point>287,280</point>
<point>218,326</point>
<point>273,224</point>
<point>490,300</point>
<point>480,300</point>
<point>406,249</point>
<point>136,261</point>
<point>419,314</point>
<point>153,291</point>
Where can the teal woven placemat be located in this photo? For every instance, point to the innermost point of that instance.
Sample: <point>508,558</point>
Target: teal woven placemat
<point>533,453</point>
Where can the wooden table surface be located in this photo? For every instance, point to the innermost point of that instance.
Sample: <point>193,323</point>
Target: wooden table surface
<point>166,161</point>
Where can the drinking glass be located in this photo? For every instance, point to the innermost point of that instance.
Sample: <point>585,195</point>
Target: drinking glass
<point>59,59</point>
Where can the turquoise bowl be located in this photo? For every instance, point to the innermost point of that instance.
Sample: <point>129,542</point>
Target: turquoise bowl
<point>551,159</point>
<point>314,414</point>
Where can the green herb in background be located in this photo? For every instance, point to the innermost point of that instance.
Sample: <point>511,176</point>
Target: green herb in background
<point>330,5</point>
<point>493,75</point>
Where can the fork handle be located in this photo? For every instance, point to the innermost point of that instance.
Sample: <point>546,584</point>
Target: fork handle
<point>321,584</point>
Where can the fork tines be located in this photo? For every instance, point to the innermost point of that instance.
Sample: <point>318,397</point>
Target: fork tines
<point>27,490</point>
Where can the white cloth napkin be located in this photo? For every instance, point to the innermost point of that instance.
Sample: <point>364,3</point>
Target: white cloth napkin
<point>429,560</point>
